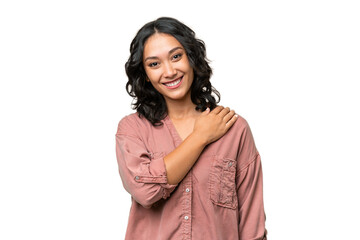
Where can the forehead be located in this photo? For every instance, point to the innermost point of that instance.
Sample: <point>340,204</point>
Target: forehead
<point>160,44</point>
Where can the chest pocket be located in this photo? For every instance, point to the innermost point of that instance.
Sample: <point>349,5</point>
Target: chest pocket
<point>222,182</point>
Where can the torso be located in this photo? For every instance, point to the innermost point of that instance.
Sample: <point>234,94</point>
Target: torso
<point>208,194</point>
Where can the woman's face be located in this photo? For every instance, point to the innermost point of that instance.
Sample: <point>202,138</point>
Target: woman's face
<point>167,66</point>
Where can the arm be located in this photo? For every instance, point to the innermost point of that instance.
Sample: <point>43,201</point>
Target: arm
<point>142,175</point>
<point>149,179</point>
<point>251,205</point>
<point>209,127</point>
<point>250,189</point>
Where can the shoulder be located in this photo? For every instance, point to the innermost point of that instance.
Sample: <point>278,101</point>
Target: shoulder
<point>129,118</point>
<point>127,123</point>
<point>240,131</point>
<point>133,123</point>
<point>240,125</point>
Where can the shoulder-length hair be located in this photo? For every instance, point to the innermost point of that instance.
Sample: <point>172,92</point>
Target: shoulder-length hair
<point>148,102</point>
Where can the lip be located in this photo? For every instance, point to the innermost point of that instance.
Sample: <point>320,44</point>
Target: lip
<point>175,86</point>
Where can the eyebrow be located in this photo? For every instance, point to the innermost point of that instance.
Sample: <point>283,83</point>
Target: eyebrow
<point>170,52</point>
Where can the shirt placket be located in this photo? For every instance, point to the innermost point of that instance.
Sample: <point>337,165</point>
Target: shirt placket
<point>186,206</point>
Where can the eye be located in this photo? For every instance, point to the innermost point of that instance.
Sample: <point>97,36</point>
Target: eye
<point>177,56</point>
<point>153,64</point>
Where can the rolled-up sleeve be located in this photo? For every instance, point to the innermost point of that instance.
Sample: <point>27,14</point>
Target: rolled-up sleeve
<point>142,172</point>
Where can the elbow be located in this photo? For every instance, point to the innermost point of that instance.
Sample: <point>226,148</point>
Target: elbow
<point>144,201</point>
<point>145,205</point>
<point>145,194</point>
<point>147,197</point>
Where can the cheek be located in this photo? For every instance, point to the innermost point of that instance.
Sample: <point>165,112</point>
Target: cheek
<point>187,68</point>
<point>151,75</point>
<point>191,74</point>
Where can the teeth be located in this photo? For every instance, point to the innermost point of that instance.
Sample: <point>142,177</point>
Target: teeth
<point>173,83</point>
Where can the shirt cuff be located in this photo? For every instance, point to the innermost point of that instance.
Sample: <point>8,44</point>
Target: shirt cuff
<point>158,175</point>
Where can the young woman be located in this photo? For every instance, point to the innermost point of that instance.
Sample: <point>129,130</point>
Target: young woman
<point>191,167</point>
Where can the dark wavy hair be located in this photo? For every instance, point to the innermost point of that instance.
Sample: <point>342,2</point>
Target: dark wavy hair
<point>148,102</point>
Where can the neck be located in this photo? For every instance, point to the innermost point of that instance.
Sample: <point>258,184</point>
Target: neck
<point>181,109</point>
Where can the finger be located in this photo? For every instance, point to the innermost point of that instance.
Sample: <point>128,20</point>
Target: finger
<point>224,112</point>
<point>229,115</point>
<point>217,109</point>
<point>206,112</point>
<point>231,121</point>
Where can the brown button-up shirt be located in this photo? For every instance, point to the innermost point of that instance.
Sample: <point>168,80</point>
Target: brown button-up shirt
<point>221,197</point>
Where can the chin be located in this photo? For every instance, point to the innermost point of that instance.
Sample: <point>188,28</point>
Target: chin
<point>179,97</point>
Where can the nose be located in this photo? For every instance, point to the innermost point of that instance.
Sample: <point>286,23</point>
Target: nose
<point>169,70</point>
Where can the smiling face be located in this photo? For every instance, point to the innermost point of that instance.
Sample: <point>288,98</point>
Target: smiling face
<point>167,67</point>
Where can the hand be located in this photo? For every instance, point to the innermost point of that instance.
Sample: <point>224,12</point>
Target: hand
<point>213,125</point>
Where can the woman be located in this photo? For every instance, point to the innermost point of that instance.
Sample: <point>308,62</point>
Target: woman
<point>191,167</point>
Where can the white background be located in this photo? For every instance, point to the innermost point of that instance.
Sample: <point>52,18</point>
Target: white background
<point>291,68</point>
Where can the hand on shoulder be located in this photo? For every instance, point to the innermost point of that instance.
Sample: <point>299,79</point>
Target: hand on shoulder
<point>212,125</point>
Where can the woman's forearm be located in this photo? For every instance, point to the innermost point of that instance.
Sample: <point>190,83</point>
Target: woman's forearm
<point>179,162</point>
<point>208,127</point>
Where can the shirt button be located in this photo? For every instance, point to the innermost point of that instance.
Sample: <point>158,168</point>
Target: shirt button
<point>186,217</point>
<point>230,164</point>
<point>187,190</point>
<point>137,177</point>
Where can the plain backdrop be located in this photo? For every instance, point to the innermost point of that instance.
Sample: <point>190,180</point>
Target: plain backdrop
<point>290,68</point>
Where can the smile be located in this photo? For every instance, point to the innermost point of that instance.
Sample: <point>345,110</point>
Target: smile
<point>174,84</point>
